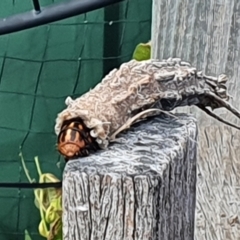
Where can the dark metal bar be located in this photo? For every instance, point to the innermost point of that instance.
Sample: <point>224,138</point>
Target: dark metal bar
<point>31,185</point>
<point>36,6</point>
<point>52,13</point>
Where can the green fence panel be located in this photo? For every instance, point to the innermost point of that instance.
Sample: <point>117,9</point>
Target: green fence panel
<point>39,68</point>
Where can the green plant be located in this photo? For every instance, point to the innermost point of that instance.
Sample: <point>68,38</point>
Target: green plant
<point>49,203</point>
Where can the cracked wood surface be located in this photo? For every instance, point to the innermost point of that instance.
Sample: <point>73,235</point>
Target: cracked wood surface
<point>206,34</point>
<point>142,187</point>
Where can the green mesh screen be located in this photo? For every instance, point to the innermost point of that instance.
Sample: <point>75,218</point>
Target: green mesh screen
<point>39,68</point>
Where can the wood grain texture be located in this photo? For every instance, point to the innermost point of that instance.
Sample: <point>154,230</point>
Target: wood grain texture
<point>207,34</point>
<point>142,187</point>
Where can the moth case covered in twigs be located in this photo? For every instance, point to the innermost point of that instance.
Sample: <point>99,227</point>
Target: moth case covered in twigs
<point>143,88</point>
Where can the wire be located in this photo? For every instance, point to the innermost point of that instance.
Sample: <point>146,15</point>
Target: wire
<point>52,13</point>
<point>31,185</point>
<point>36,6</point>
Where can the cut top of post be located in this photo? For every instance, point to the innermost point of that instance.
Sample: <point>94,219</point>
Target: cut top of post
<point>146,147</point>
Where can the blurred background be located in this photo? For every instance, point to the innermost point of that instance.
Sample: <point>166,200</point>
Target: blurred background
<point>39,68</point>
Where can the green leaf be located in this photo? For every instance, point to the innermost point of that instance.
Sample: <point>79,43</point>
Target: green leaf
<point>27,236</point>
<point>142,51</point>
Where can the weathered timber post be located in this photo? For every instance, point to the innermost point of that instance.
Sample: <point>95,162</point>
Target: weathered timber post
<point>206,34</point>
<point>142,187</point>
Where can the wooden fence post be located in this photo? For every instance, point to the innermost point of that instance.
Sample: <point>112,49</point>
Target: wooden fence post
<point>140,188</point>
<point>206,34</point>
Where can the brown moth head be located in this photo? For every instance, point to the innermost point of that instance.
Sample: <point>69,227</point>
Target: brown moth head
<point>74,139</point>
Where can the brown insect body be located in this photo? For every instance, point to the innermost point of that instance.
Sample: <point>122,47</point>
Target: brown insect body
<point>134,91</point>
<point>74,139</point>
